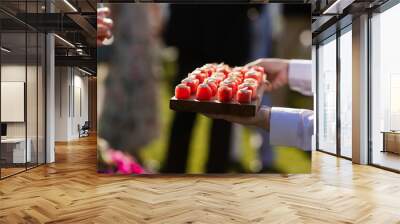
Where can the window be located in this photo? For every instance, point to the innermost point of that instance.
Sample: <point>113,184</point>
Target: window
<point>327,96</point>
<point>385,89</point>
<point>346,92</point>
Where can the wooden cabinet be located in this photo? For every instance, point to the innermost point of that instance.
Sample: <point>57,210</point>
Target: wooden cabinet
<point>391,141</point>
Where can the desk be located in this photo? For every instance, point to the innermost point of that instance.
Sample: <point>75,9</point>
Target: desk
<point>13,150</point>
<point>391,141</point>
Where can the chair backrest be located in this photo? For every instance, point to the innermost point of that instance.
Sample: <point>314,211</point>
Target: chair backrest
<point>86,124</point>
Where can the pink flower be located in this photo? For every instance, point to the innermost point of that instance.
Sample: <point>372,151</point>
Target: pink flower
<point>136,168</point>
<point>124,164</point>
<point>124,167</point>
<point>116,156</point>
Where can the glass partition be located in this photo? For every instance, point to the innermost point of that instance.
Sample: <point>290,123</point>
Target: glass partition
<point>14,151</point>
<point>327,96</point>
<point>22,90</point>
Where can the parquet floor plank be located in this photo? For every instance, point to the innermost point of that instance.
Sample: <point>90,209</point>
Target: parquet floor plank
<point>70,191</point>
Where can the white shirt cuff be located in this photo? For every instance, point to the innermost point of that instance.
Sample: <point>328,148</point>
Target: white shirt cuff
<point>300,76</point>
<point>291,127</point>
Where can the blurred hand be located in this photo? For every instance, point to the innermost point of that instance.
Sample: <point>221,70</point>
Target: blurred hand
<point>276,70</point>
<point>104,25</point>
<point>261,119</point>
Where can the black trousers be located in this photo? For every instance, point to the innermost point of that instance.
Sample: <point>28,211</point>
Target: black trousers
<point>181,133</point>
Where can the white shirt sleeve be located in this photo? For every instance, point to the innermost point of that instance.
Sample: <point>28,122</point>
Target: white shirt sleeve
<point>300,76</point>
<point>292,127</point>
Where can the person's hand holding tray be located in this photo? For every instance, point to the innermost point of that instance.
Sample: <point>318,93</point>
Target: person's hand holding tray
<point>220,90</point>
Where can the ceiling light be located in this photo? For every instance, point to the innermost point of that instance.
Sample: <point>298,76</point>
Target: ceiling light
<point>70,5</point>
<point>338,6</point>
<point>65,41</point>
<point>5,50</point>
<point>80,51</point>
<point>84,71</point>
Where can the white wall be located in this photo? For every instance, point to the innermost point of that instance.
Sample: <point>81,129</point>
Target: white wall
<point>71,93</point>
<point>61,103</point>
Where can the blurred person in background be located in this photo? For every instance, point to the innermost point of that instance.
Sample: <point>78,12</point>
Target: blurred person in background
<point>129,119</point>
<point>261,44</point>
<point>204,34</point>
<point>261,35</point>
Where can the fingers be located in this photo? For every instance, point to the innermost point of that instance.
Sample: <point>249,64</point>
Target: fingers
<point>265,84</point>
<point>277,84</point>
<point>269,87</point>
<point>104,26</point>
<point>103,12</point>
<point>259,62</point>
<point>106,22</point>
<point>103,32</point>
<point>280,81</point>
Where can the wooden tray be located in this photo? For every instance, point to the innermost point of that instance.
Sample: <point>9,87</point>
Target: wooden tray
<point>216,107</point>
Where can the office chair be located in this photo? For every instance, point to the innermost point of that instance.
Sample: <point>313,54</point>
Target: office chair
<point>84,130</point>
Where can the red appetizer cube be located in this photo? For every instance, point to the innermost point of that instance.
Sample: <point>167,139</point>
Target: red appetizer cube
<point>212,84</point>
<point>251,87</point>
<point>231,79</point>
<point>235,79</point>
<point>242,70</point>
<point>250,81</point>
<point>225,94</point>
<point>219,76</point>
<point>199,75</point>
<point>211,79</point>
<point>192,83</point>
<point>224,69</point>
<point>207,70</point>
<point>230,84</point>
<point>236,74</point>
<point>243,96</point>
<point>182,91</point>
<point>204,92</point>
<point>254,74</point>
<point>209,66</point>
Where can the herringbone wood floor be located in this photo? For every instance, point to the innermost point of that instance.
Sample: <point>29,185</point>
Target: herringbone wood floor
<point>70,191</point>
